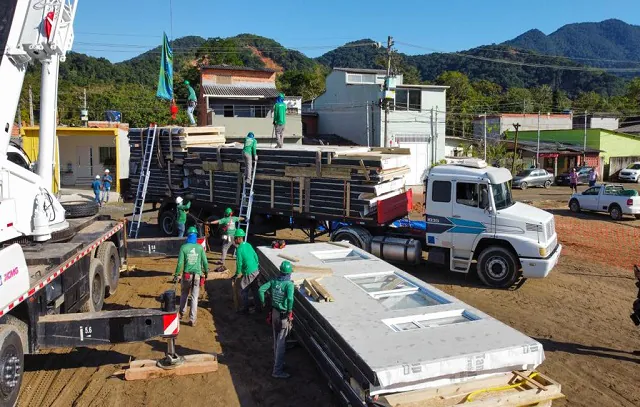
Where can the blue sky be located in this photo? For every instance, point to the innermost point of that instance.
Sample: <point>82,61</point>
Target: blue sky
<point>120,30</point>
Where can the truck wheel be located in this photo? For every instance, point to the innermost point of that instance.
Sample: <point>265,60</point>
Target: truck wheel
<point>11,365</point>
<point>167,223</point>
<point>80,209</point>
<point>574,206</point>
<point>498,267</point>
<point>96,287</point>
<point>615,212</point>
<point>355,235</point>
<point>108,255</point>
<point>547,184</point>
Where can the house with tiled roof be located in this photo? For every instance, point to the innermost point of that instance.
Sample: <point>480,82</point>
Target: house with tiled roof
<point>241,99</point>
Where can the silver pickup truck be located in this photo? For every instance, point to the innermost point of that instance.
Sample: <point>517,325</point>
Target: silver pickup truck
<point>607,198</point>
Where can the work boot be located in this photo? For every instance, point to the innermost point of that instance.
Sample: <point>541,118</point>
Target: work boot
<point>281,375</point>
<point>192,323</point>
<point>181,315</point>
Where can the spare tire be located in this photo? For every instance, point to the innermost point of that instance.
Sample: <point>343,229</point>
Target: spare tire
<point>80,209</point>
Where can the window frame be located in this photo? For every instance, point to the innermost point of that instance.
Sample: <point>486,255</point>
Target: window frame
<point>433,191</point>
<point>101,159</point>
<point>477,191</point>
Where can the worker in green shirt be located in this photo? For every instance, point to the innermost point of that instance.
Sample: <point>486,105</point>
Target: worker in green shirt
<point>279,119</point>
<point>250,155</point>
<point>247,270</point>
<point>281,315</point>
<point>228,224</point>
<point>191,103</point>
<point>194,268</point>
<point>181,215</point>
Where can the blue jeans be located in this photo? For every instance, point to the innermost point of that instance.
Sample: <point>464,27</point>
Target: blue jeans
<point>97,194</point>
<point>105,194</point>
<point>181,229</point>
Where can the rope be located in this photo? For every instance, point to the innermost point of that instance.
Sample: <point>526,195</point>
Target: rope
<point>500,388</point>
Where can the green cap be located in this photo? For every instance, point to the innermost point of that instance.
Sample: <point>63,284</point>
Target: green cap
<point>286,267</point>
<point>186,82</point>
<point>228,212</point>
<point>240,233</point>
<point>192,230</point>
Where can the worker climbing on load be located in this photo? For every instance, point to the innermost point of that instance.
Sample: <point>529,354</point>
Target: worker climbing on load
<point>181,215</point>
<point>191,103</point>
<point>247,271</point>
<point>279,119</point>
<point>194,268</point>
<point>106,185</point>
<point>228,224</point>
<point>250,156</point>
<point>281,314</point>
<point>96,186</point>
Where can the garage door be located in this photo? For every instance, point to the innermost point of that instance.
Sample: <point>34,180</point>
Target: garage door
<point>420,149</point>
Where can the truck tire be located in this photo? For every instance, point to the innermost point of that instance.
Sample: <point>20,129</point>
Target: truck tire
<point>11,365</point>
<point>80,209</point>
<point>498,267</point>
<point>96,287</point>
<point>108,255</point>
<point>574,206</point>
<point>167,223</point>
<point>615,211</point>
<point>355,235</point>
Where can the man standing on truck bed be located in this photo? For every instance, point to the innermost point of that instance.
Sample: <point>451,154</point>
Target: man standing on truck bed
<point>181,216</point>
<point>279,119</point>
<point>247,270</point>
<point>228,224</point>
<point>250,155</point>
<point>194,267</point>
<point>280,315</point>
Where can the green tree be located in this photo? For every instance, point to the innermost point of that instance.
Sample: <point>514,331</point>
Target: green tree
<point>561,101</point>
<point>460,97</point>
<point>518,100</point>
<point>308,84</point>
<point>589,101</point>
<point>542,98</point>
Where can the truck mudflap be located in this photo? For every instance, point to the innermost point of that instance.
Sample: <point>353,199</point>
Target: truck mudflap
<point>540,268</point>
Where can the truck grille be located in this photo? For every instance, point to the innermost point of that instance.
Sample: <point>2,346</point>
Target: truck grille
<point>550,228</point>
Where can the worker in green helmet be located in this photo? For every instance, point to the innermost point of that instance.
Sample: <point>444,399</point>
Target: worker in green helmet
<point>279,119</point>
<point>247,270</point>
<point>228,224</point>
<point>281,290</point>
<point>191,103</point>
<point>194,268</point>
<point>249,155</point>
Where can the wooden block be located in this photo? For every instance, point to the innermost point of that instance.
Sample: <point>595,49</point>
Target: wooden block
<point>235,294</point>
<point>311,291</point>
<point>290,258</point>
<point>321,290</point>
<point>318,164</point>
<point>531,381</point>
<point>312,269</point>
<point>193,364</point>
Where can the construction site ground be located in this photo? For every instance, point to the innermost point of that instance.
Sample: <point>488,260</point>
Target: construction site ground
<point>580,314</point>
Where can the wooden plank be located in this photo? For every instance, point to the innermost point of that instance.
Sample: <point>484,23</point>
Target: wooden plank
<point>318,163</point>
<point>347,197</point>
<point>310,269</point>
<point>264,177</point>
<point>326,172</point>
<point>300,191</point>
<point>527,379</point>
<point>311,291</point>
<point>225,167</point>
<point>235,293</point>
<point>290,258</point>
<point>272,195</point>
<point>320,289</point>
<point>307,192</point>
<point>392,150</point>
<point>193,364</point>
<point>366,172</point>
<point>210,188</point>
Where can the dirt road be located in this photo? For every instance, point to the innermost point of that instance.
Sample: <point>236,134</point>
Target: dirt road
<point>580,314</point>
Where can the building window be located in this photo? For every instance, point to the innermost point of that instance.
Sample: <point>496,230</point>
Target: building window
<point>261,111</point>
<point>401,99</point>
<point>408,99</point>
<point>441,191</point>
<point>228,111</point>
<point>108,155</point>
<point>361,78</point>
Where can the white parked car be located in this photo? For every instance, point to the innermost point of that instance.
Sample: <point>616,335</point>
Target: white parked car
<point>607,198</point>
<point>631,173</point>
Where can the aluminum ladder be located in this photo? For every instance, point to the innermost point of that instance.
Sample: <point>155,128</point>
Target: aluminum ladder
<point>143,183</point>
<point>247,201</point>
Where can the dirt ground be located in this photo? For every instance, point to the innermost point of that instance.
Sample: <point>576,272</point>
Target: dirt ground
<point>580,314</point>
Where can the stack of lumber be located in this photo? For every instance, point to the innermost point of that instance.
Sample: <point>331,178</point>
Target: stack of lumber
<point>345,182</point>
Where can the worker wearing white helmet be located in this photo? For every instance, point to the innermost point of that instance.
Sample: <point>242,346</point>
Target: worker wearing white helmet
<point>106,185</point>
<point>96,185</point>
<point>181,215</point>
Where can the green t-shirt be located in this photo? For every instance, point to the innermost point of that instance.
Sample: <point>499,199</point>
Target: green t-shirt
<point>281,294</point>
<point>229,224</point>
<point>279,114</point>
<point>193,258</point>
<point>246,259</point>
<point>182,213</point>
<point>192,94</point>
<point>250,146</point>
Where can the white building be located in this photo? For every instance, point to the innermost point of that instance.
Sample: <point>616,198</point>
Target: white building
<point>350,108</point>
<point>498,124</point>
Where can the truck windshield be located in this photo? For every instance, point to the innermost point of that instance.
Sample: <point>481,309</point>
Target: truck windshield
<point>502,195</point>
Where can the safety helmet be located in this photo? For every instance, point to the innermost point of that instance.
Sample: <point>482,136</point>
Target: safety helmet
<point>179,200</point>
<point>240,233</point>
<point>186,82</point>
<point>228,212</point>
<point>97,177</point>
<point>192,230</point>
<point>106,171</point>
<point>250,135</point>
<point>286,267</point>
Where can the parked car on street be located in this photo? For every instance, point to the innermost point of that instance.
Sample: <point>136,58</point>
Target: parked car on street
<point>607,198</point>
<point>631,173</point>
<point>532,178</point>
<point>583,176</point>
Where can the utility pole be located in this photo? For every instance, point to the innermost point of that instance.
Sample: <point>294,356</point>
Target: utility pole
<point>366,112</point>
<point>19,114</point>
<point>84,116</point>
<point>434,146</point>
<point>584,148</point>
<point>515,149</point>
<point>433,138</point>
<point>31,122</point>
<point>538,149</point>
<point>485,136</point>
<point>386,88</point>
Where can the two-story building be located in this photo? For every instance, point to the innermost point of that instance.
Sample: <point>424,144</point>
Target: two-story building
<point>241,99</point>
<point>498,124</point>
<point>350,108</point>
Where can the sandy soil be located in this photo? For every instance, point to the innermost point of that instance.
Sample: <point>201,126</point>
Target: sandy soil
<point>580,314</point>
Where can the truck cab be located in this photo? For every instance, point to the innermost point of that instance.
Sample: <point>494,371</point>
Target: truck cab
<point>471,216</point>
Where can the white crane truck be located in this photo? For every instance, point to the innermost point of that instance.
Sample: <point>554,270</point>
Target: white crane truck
<point>50,266</point>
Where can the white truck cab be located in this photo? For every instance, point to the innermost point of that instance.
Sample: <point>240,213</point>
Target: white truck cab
<point>471,216</point>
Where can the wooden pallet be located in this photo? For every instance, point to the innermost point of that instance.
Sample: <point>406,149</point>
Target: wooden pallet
<point>539,390</point>
<point>193,364</point>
